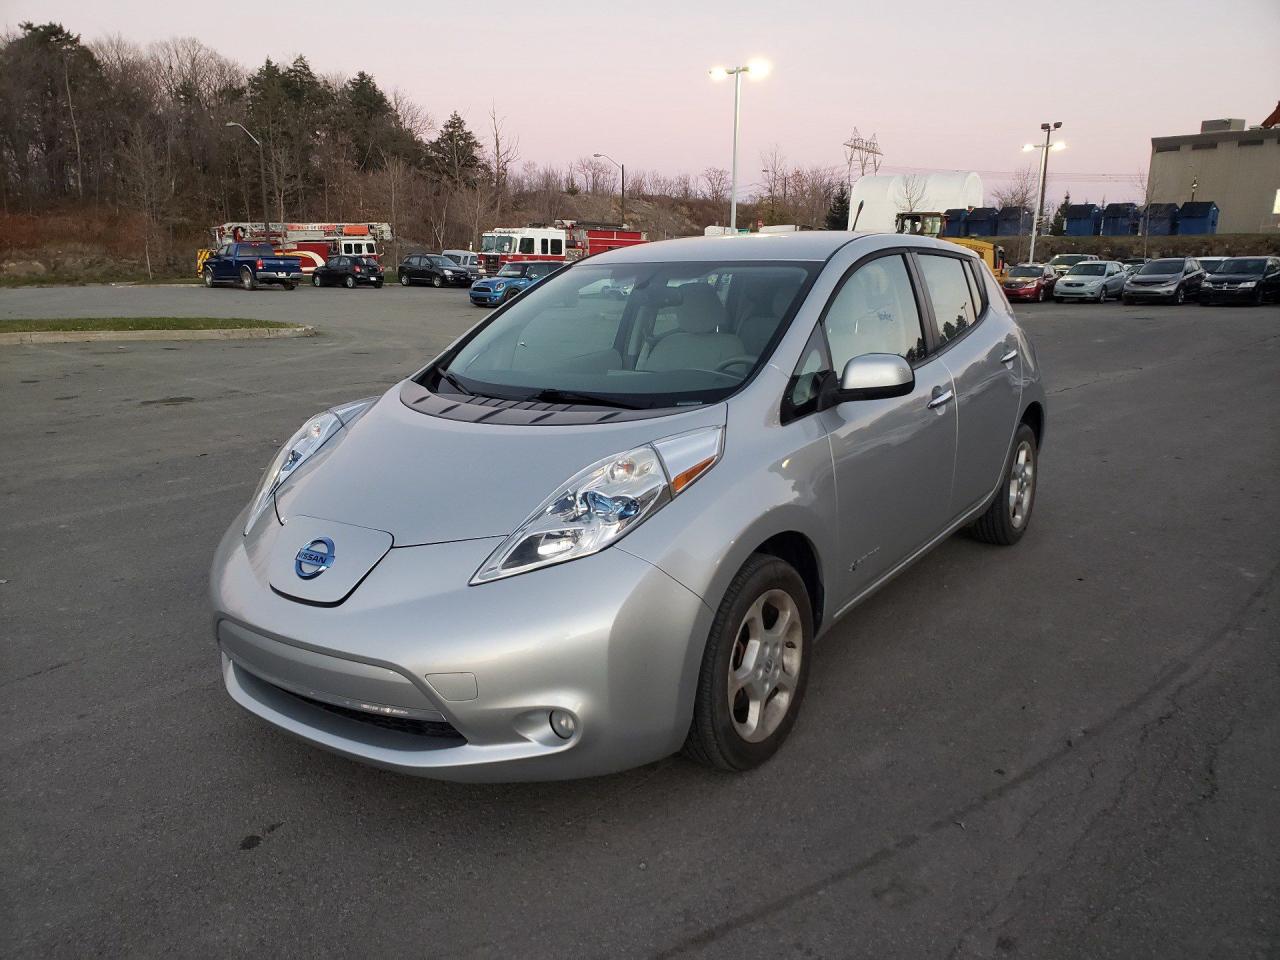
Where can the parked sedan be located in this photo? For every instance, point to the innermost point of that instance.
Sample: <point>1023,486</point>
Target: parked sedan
<point>1029,281</point>
<point>1243,280</point>
<point>432,268</point>
<point>599,529</point>
<point>1091,280</point>
<point>1168,280</point>
<point>510,280</point>
<point>348,272</point>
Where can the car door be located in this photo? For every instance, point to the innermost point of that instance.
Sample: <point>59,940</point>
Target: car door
<point>222,263</point>
<point>894,457</point>
<point>1193,276</point>
<point>1114,280</point>
<point>983,357</point>
<point>1271,280</point>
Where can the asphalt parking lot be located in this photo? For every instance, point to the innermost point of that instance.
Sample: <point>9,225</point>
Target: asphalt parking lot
<point>1064,749</point>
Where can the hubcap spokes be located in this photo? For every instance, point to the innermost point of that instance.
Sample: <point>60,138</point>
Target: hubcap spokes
<point>1022,480</point>
<point>764,668</point>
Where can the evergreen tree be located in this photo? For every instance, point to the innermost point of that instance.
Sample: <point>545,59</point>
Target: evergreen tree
<point>1059,225</point>
<point>455,154</point>
<point>838,212</point>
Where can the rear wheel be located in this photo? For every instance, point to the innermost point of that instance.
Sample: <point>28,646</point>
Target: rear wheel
<point>290,285</point>
<point>754,667</point>
<point>377,284</point>
<point>1006,519</point>
<point>349,282</point>
<point>247,279</point>
<point>207,275</point>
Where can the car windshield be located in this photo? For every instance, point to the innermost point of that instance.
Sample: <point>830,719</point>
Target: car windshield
<point>634,335</point>
<point>1026,272</point>
<point>511,270</point>
<point>1213,264</point>
<point>1093,269</point>
<point>1067,259</point>
<point>1250,265</point>
<point>1161,267</point>
<point>454,257</point>
<point>496,243</point>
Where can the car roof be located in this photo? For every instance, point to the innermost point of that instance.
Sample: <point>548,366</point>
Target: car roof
<point>807,245</point>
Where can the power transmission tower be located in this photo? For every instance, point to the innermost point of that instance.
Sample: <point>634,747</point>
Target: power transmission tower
<point>867,154</point>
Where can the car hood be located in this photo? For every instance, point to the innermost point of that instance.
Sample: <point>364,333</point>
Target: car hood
<point>1233,277</point>
<point>1155,277</point>
<point>426,479</point>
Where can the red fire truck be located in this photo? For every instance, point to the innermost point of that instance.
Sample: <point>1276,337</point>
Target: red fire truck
<point>563,240</point>
<point>312,243</point>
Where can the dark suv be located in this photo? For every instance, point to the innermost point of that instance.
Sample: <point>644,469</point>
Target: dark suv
<point>432,268</point>
<point>1243,280</point>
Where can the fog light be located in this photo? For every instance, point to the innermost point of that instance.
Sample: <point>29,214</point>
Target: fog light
<point>563,724</point>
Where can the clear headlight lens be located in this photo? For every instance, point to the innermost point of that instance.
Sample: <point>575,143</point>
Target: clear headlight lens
<point>499,285</point>
<point>313,435</point>
<point>603,503</point>
<point>1247,284</point>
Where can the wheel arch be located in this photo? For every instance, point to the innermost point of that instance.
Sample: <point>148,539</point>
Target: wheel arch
<point>1033,417</point>
<point>798,551</point>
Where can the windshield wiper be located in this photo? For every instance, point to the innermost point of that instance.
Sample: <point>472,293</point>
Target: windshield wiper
<point>553,395</point>
<point>454,382</point>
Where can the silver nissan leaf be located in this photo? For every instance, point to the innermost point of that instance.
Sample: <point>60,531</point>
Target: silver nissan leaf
<point>610,521</point>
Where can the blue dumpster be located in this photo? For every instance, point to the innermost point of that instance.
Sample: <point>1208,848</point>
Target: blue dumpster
<point>1014,221</point>
<point>1198,217</point>
<point>982,222</point>
<point>1120,220</point>
<point>956,218</point>
<point>1082,220</point>
<point>1161,219</point>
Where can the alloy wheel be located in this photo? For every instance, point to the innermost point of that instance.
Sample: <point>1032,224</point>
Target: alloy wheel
<point>1022,484</point>
<point>404,279</point>
<point>764,667</point>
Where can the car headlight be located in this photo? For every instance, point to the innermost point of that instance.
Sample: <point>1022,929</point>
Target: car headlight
<point>603,503</point>
<point>1248,284</point>
<point>448,273</point>
<point>499,285</point>
<point>313,435</point>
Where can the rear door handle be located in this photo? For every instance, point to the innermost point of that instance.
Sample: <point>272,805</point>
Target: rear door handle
<point>1009,357</point>
<point>940,399</point>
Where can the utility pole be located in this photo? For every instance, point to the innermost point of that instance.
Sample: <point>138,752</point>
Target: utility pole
<point>262,173</point>
<point>1044,149</point>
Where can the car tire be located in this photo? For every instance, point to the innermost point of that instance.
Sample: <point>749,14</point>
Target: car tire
<point>247,280</point>
<point>315,280</point>
<point>1009,514</point>
<point>377,284</point>
<point>290,285</point>
<point>404,279</point>
<point>207,275</point>
<point>349,282</point>
<point>437,282</point>
<point>742,729</point>
<point>1179,297</point>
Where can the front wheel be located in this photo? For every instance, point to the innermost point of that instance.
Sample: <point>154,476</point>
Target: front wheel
<point>437,281</point>
<point>1180,297</point>
<point>349,282</point>
<point>404,279</point>
<point>315,279</point>
<point>754,667</point>
<point>1006,519</point>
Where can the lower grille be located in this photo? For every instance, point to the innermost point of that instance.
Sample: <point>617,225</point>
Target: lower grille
<point>417,728</point>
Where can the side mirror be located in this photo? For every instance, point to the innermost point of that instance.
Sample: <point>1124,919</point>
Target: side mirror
<point>874,376</point>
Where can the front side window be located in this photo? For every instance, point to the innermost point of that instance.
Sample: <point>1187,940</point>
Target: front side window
<point>592,330</point>
<point>875,312</point>
<point>953,310</point>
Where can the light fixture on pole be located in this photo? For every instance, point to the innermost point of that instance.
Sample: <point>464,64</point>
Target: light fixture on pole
<point>1044,149</point>
<point>262,173</point>
<point>757,69</point>
<point>622,167</point>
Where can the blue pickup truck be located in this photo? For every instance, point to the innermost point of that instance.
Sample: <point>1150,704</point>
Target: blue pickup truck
<point>250,265</point>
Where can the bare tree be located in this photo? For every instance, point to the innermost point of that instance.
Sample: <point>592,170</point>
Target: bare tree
<point>717,184</point>
<point>911,192</point>
<point>1018,191</point>
<point>504,152</point>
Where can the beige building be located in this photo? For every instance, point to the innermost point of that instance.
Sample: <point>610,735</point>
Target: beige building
<point>1236,167</point>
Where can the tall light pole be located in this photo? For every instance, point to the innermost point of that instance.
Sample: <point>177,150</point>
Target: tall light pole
<point>758,69</point>
<point>1044,149</point>
<point>262,174</point>
<point>623,168</point>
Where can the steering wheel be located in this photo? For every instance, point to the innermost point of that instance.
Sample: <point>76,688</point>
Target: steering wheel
<point>739,361</point>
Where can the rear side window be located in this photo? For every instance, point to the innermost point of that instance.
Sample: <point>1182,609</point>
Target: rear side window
<point>557,247</point>
<point>875,311</point>
<point>949,292</point>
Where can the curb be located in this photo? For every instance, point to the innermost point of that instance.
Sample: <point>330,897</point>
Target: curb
<point>93,336</point>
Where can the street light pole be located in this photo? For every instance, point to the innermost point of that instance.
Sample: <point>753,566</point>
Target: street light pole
<point>262,174</point>
<point>622,167</point>
<point>1044,149</point>
<point>758,68</point>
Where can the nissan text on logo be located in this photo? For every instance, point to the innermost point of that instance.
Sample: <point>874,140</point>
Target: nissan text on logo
<point>314,559</point>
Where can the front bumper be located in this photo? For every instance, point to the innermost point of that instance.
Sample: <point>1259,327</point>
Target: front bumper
<point>1154,294</point>
<point>486,297</point>
<point>1022,293</point>
<point>458,682</point>
<point>1228,295</point>
<point>1075,293</point>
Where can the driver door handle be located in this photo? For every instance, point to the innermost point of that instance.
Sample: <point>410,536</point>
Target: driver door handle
<point>940,399</point>
<point>1009,357</point>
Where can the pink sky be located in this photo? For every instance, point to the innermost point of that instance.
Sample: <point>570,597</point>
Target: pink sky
<point>948,85</point>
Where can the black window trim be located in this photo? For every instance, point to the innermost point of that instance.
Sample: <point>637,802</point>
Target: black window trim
<point>932,337</point>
